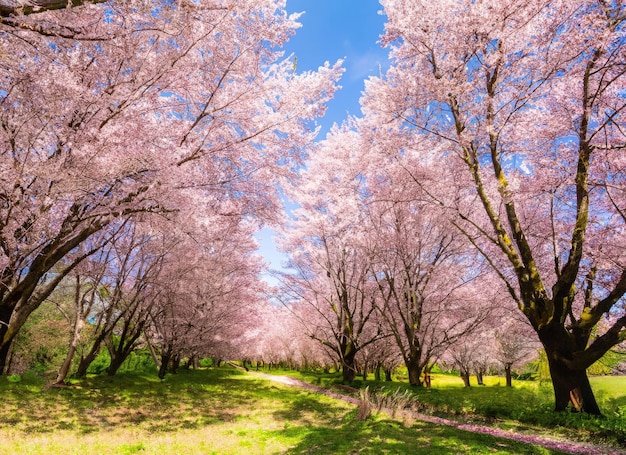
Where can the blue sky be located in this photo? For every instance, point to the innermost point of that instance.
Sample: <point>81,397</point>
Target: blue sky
<point>333,30</point>
<point>337,29</point>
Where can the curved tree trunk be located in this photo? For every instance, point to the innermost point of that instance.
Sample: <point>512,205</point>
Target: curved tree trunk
<point>86,360</point>
<point>65,368</point>
<point>5,351</point>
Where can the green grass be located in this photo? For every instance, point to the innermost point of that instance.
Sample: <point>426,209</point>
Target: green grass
<point>219,411</point>
<point>526,407</point>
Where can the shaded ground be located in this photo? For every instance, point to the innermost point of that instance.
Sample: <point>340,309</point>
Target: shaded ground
<point>548,443</point>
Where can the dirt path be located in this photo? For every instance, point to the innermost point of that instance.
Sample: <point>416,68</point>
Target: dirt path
<point>548,443</point>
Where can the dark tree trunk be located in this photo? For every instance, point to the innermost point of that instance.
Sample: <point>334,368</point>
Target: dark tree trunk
<point>166,355</point>
<point>348,368</point>
<point>165,360</point>
<point>5,343</point>
<point>415,371</point>
<point>570,385</point>
<point>377,370</point>
<point>86,361</point>
<point>465,375</point>
<point>116,363</point>
<point>175,364</point>
<point>5,351</point>
<point>507,372</point>
<point>120,352</point>
<point>479,378</point>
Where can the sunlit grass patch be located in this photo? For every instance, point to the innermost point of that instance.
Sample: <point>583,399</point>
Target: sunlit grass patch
<point>219,411</point>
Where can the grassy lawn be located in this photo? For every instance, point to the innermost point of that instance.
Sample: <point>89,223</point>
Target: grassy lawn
<point>214,411</point>
<point>526,407</point>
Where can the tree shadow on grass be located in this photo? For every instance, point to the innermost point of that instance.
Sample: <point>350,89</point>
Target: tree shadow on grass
<point>391,437</point>
<point>186,401</point>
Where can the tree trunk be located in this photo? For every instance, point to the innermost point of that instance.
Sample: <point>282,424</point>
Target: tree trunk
<point>379,367</point>
<point>5,351</point>
<point>507,372</point>
<point>415,372</point>
<point>348,368</point>
<point>153,353</point>
<point>388,377</point>
<point>176,364</point>
<point>125,346</point>
<point>165,360</point>
<point>479,378</point>
<point>116,363</point>
<point>571,386</point>
<point>65,368</point>
<point>465,375</point>
<point>85,361</point>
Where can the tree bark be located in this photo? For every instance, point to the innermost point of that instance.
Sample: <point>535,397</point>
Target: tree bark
<point>12,7</point>
<point>176,364</point>
<point>569,380</point>
<point>85,361</point>
<point>571,386</point>
<point>165,360</point>
<point>377,371</point>
<point>466,378</point>
<point>153,353</point>
<point>348,368</point>
<point>415,372</point>
<point>65,368</point>
<point>507,372</point>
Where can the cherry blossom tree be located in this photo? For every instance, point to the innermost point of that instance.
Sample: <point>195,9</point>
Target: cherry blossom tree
<point>428,298</point>
<point>331,268</point>
<point>85,282</point>
<point>208,292</point>
<point>515,345</point>
<point>332,280</point>
<point>115,109</point>
<point>522,105</point>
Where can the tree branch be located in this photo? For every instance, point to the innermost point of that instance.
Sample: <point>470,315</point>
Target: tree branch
<point>26,7</point>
